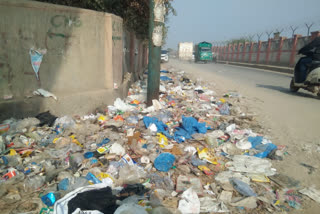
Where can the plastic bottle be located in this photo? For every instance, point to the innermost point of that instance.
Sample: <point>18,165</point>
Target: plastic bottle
<point>11,161</point>
<point>34,183</point>
<point>224,109</point>
<point>242,187</point>
<point>76,160</point>
<point>64,184</point>
<point>77,182</point>
<point>91,177</point>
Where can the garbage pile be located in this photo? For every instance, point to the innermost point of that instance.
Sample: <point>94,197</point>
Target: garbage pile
<point>190,152</point>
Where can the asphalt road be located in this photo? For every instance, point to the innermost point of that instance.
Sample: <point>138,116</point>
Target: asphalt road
<point>291,119</point>
<point>293,114</point>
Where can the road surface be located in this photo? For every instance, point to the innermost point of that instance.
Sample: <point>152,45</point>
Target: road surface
<point>292,118</point>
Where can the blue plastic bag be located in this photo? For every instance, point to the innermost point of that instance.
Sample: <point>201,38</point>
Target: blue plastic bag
<point>255,140</point>
<point>164,162</point>
<point>165,78</point>
<point>164,71</point>
<point>181,135</point>
<point>189,127</point>
<point>192,126</point>
<point>161,127</point>
<point>265,149</point>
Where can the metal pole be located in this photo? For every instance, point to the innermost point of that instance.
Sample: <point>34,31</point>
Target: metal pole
<point>155,34</point>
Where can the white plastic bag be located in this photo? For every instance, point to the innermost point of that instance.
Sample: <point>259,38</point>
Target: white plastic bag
<point>251,164</point>
<point>117,149</point>
<point>44,93</point>
<point>189,204</point>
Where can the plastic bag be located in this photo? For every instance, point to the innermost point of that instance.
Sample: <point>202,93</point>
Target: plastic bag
<point>65,122</point>
<point>250,164</point>
<point>189,204</point>
<point>161,127</point>
<point>224,109</point>
<point>165,78</point>
<point>36,59</point>
<point>130,209</point>
<point>44,93</point>
<point>117,149</point>
<point>131,174</point>
<point>211,205</point>
<point>122,106</point>
<point>164,162</point>
<point>312,193</point>
<point>265,149</point>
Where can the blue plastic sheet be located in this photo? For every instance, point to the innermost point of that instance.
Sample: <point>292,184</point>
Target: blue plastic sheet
<point>165,78</point>
<point>257,144</point>
<point>164,162</point>
<point>162,128</point>
<point>164,71</point>
<point>189,127</point>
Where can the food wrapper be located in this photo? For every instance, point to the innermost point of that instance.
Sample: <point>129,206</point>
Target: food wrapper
<point>204,154</point>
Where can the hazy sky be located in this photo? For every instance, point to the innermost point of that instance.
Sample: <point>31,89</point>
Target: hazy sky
<point>219,20</point>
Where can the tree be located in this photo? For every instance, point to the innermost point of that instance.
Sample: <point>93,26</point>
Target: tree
<point>240,40</point>
<point>135,13</point>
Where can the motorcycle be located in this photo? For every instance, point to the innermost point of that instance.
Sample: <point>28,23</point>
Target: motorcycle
<point>312,80</point>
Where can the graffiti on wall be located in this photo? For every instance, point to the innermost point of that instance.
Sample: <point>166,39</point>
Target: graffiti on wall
<point>5,67</point>
<point>65,21</point>
<point>60,31</point>
<point>116,31</point>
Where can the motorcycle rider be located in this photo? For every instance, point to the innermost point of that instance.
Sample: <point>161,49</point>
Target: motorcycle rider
<point>311,52</point>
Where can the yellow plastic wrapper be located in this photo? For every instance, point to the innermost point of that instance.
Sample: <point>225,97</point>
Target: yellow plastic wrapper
<point>206,170</point>
<point>104,175</point>
<point>222,100</point>
<point>136,102</point>
<point>204,154</point>
<point>103,149</point>
<point>163,140</point>
<point>74,140</point>
<point>55,140</point>
<point>26,153</point>
<point>259,178</point>
<point>12,152</point>
<point>102,118</point>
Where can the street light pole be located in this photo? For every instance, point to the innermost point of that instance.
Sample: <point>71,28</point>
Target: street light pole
<point>156,24</point>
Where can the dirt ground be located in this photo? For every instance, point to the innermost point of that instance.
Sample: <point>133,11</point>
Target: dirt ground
<point>303,146</point>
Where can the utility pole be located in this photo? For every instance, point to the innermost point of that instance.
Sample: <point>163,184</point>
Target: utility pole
<point>156,24</point>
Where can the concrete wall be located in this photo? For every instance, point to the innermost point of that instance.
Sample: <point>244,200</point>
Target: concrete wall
<point>83,62</point>
<point>280,52</point>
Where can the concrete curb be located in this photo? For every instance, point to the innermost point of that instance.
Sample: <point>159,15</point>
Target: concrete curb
<point>287,70</point>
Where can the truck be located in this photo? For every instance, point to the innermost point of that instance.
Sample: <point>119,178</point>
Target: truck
<point>185,50</point>
<point>203,52</point>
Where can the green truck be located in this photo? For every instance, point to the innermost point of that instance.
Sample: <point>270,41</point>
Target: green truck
<point>203,52</point>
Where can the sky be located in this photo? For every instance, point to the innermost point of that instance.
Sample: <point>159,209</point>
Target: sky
<point>221,20</point>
